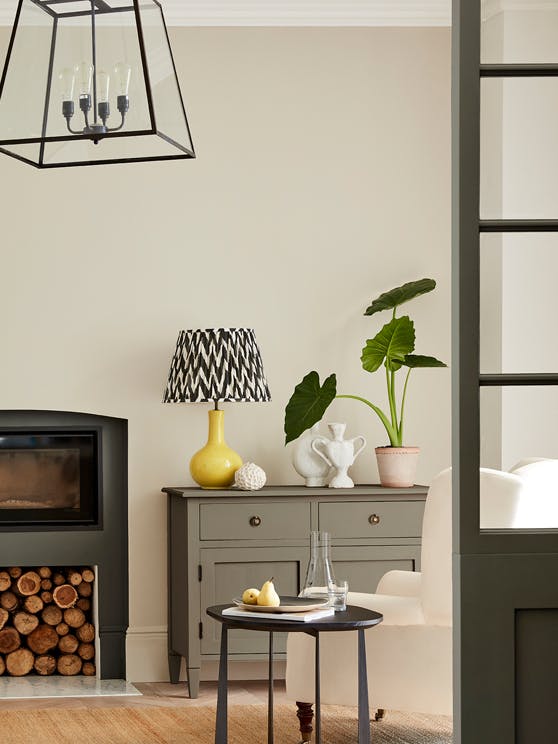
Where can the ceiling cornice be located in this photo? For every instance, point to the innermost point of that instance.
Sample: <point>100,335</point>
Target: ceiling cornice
<point>292,12</point>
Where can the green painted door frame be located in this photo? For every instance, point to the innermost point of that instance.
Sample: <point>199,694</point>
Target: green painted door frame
<point>505,582</point>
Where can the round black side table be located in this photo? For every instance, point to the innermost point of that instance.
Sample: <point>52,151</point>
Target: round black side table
<point>353,618</point>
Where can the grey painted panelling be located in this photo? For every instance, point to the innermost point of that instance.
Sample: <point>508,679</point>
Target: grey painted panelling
<point>536,648</point>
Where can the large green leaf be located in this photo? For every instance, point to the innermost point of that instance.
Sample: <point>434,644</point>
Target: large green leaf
<point>308,404</point>
<point>399,295</point>
<point>417,360</point>
<point>391,345</point>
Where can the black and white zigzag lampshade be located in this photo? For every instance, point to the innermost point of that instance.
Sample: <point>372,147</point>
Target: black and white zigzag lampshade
<point>216,364</point>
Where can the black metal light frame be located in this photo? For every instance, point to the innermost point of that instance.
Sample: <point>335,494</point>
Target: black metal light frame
<point>98,7</point>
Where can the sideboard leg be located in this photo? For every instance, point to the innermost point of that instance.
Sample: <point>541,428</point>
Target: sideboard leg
<point>174,667</point>
<point>193,674</point>
<point>305,715</point>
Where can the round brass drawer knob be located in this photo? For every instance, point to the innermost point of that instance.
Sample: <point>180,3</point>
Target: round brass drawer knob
<point>255,521</point>
<point>374,519</point>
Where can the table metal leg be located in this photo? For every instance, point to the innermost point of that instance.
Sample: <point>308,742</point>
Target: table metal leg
<point>221,728</point>
<point>363,712</point>
<point>270,693</point>
<point>317,692</point>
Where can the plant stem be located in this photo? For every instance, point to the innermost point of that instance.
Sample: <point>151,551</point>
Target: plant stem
<point>391,397</point>
<point>391,430</point>
<point>400,427</point>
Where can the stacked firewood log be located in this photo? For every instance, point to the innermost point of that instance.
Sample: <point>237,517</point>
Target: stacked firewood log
<point>46,624</point>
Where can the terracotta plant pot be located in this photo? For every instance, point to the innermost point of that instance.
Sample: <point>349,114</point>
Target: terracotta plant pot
<point>397,466</point>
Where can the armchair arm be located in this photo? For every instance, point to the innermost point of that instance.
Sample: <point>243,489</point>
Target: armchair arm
<point>400,583</point>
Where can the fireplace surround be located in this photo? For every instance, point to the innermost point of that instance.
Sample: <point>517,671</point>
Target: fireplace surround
<point>39,536</point>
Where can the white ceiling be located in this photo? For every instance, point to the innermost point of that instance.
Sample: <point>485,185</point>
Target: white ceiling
<point>292,12</point>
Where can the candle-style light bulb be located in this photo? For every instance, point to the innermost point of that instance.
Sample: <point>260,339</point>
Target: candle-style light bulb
<point>103,85</point>
<point>66,82</point>
<point>122,72</point>
<point>84,72</point>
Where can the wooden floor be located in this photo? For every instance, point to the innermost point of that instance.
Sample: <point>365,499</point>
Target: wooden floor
<point>160,694</point>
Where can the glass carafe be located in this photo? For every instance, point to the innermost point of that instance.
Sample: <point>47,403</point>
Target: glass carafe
<point>319,573</point>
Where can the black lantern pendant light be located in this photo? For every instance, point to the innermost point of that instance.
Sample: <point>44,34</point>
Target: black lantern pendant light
<point>90,82</point>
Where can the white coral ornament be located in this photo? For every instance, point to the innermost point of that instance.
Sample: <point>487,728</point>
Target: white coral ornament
<point>249,477</point>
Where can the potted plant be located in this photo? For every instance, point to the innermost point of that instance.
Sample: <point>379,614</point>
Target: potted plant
<point>391,348</point>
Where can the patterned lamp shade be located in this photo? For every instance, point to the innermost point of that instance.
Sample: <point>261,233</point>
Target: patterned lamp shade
<point>216,364</point>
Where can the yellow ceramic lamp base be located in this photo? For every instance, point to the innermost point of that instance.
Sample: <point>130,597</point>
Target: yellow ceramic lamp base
<point>215,464</point>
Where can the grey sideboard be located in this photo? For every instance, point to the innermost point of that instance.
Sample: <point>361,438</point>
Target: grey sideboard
<point>221,542</point>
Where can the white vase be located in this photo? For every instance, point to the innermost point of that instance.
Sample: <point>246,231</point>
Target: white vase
<point>397,466</point>
<point>339,453</point>
<point>307,463</point>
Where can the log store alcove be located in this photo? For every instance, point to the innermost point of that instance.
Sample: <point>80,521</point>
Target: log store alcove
<point>64,513</point>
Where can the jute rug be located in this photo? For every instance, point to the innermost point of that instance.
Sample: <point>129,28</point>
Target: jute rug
<point>247,723</point>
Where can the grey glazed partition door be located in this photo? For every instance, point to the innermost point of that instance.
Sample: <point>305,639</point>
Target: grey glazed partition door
<point>505,582</point>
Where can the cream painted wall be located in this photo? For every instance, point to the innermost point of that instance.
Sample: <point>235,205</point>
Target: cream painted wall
<point>322,178</point>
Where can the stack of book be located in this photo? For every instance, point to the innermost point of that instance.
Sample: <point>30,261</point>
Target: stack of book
<point>303,617</point>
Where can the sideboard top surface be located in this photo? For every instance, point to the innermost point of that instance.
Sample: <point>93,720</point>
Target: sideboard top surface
<point>415,493</point>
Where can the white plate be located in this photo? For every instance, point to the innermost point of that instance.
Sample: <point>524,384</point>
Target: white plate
<point>288,604</point>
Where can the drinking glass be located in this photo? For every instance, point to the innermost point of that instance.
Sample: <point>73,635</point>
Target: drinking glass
<point>337,593</point>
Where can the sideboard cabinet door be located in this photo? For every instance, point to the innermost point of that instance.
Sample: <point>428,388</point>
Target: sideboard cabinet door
<point>363,566</point>
<point>228,571</point>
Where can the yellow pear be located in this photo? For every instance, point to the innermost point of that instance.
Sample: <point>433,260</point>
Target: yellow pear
<point>268,597</point>
<point>250,596</point>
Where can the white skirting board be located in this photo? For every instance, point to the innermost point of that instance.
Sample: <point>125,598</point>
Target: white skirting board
<point>146,660</point>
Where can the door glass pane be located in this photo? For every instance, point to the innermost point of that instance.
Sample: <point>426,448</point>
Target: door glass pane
<point>519,435</point>
<point>519,148</point>
<point>519,32</point>
<point>518,303</point>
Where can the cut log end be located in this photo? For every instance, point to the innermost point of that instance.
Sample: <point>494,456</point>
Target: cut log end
<point>20,662</point>
<point>29,583</point>
<point>25,623</point>
<point>9,601</point>
<point>69,665</point>
<point>9,640</point>
<point>33,604</point>
<point>74,617</point>
<point>86,651</point>
<point>86,633</point>
<point>85,589</point>
<point>88,669</point>
<point>65,596</point>
<point>42,639</point>
<point>45,664</point>
<point>68,644</point>
<point>4,615</point>
<point>52,615</point>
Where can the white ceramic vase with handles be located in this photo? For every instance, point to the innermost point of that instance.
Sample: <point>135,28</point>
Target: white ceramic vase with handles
<point>339,453</point>
<point>307,463</point>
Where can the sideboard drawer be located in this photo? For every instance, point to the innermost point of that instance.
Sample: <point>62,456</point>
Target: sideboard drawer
<point>258,521</point>
<point>356,519</point>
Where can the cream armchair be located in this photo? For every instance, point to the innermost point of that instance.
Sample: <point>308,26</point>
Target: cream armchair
<point>410,653</point>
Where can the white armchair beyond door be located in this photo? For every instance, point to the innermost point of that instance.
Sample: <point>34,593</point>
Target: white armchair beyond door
<point>410,653</point>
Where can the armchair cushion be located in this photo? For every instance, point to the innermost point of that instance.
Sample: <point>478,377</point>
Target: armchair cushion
<point>396,610</point>
<point>401,583</point>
